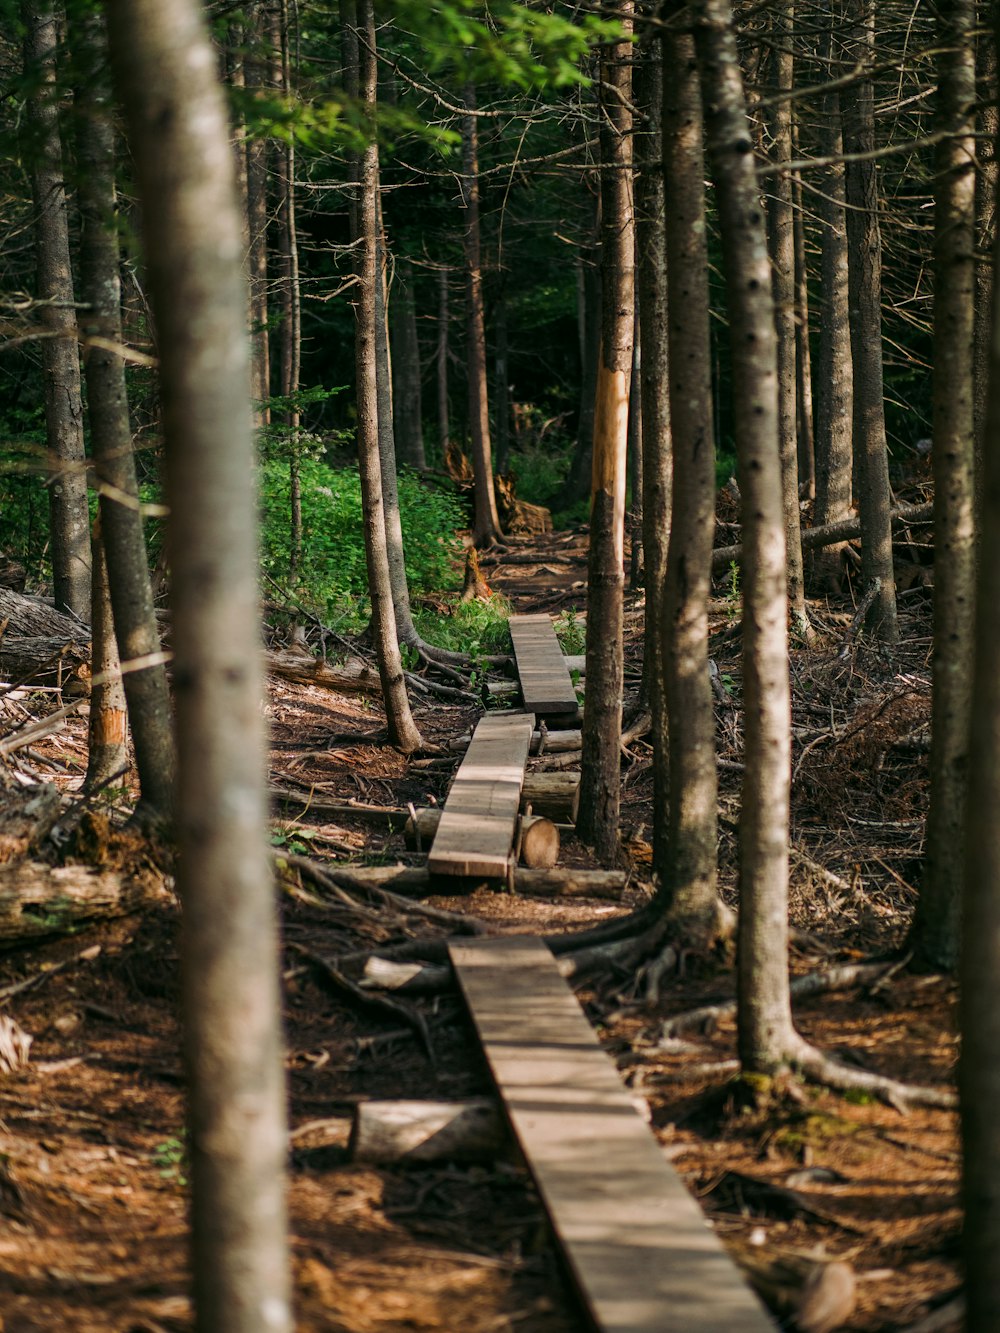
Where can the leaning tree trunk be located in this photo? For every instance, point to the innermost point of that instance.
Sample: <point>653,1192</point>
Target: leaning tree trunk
<point>67,486</point>
<point>657,448</point>
<point>600,786</point>
<point>767,1038</point>
<point>834,371</point>
<point>979,991</point>
<point>864,242</point>
<point>781,220</point>
<point>686,856</point>
<point>402,729</point>
<point>145,681</point>
<point>935,935</point>
<point>485,522</point>
<point>165,65</point>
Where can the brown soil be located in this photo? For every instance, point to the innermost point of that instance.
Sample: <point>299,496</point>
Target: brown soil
<point>92,1188</point>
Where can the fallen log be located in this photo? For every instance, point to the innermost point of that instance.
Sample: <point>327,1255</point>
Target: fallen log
<point>542,741</point>
<point>570,883</point>
<point>414,1132</point>
<point>312,803</point>
<point>554,795</point>
<point>537,842</point>
<point>26,815</point>
<point>38,900</point>
<point>31,617</point>
<point>352,677</point>
<point>831,533</point>
<point>416,881</point>
<point>44,658</point>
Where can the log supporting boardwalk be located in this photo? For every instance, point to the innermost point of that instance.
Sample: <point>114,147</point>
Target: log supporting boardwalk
<point>638,1246</point>
<point>545,682</point>
<point>477,825</point>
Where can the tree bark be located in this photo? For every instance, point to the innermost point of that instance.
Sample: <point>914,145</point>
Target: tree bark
<point>987,180</point>
<point>766,1036</point>
<point>122,536</point>
<point>864,241</point>
<point>257,228</point>
<point>577,484</point>
<point>686,789</point>
<point>600,785</point>
<point>485,522</point>
<point>935,934</point>
<point>407,418</point>
<point>781,229</point>
<point>164,65</point>
<point>65,464</point>
<point>402,728</point>
<point>37,900</point>
<point>107,725</point>
<point>444,428</point>
<point>803,352</point>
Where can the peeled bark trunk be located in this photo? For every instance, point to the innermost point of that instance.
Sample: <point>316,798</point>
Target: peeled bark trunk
<point>767,1038</point>
<point>686,791</point>
<point>865,283</point>
<point>67,486</point>
<point>107,725</point>
<point>600,785</point>
<point>936,924</point>
<point>164,65</point>
<point>486,522</point>
<point>122,536</point>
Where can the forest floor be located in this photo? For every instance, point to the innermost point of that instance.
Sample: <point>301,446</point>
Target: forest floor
<point>92,1160</point>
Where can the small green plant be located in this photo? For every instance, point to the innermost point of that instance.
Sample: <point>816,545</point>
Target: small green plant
<point>171,1160</point>
<point>733,591</point>
<point>293,838</point>
<point>477,628</point>
<point>571,633</point>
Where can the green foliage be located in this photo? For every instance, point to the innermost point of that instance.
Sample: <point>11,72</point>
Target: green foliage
<point>478,628</point>
<point>571,633</point>
<point>333,569</point>
<point>171,1160</point>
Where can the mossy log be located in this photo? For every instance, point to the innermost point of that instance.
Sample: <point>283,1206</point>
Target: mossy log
<point>38,900</point>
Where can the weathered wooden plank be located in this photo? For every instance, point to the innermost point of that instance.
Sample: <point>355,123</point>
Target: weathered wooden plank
<point>545,682</point>
<point>640,1250</point>
<point>476,830</point>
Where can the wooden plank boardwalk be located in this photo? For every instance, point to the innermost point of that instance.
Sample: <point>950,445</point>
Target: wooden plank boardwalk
<point>477,825</point>
<point>638,1246</point>
<point>545,682</point>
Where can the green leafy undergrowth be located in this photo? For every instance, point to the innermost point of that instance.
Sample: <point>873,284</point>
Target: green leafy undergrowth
<point>478,628</point>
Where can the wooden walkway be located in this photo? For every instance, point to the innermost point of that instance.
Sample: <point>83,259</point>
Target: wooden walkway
<point>638,1246</point>
<point>545,682</point>
<point>477,825</point>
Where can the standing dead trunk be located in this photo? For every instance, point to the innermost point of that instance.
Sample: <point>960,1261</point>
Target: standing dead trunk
<point>485,522</point>
<point>67,486</point>
<point>164,65</point>
<point>407,411</point>
<point>686,791</point>
<point>600,784</point>
<point>107,729</point>
<point>864,242</point>
<point>834,371</point>
<point>122,536</point>
<point>935,935</point>
<point>767,1039</point>
<point>402,729</point>
<point>781,229</point>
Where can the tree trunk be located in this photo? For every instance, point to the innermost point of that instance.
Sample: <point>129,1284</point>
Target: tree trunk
<point>634,448</point>
<point>600,785</point>
<point>987,180</point>
<point>402,729</point>
<point>834,371</point>
<point>444,429</point>
<point>107,725</point>
<point>165,68</point>
<point>485,523</point>
<point>577,484</point>
<point>686,795</point>
<point>146,689</point>
<point>865,287</point>
<point>501,379</point>
<point>979,991</point>
<point>935,935</point>
<point>257,226</point>
<point>781,228</point>
<point>407,412</point>
<point>803,352</point>
<point>657,447</point>
<point>766,1036</point>
<point>67,487</point>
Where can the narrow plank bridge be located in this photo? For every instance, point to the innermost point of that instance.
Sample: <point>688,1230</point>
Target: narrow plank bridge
<point>637,1246</point>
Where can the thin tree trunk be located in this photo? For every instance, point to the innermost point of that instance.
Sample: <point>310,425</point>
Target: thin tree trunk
<point>657,452</point>
<point>501,379</point>
<point>486,522</point>
<point>164,65</point>
<point>834,370</point>
<point>600,784</point>
<point>865,282</point>
<point>68,517</point>
<point>936,929</point>
<point>781,220</point>
<point>402,728</point>
<point>803,351</point>
<point>107,729</point>
<point>407,409</point>
<point>686,790</point>
<point>577,484</point>
<point>979,990</point>
<point>987,179</point>
<point>123,541</point>
<point>766,1036</point>
<point>257,225</point>
<point>444,428</point>
<point>634,447</point>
